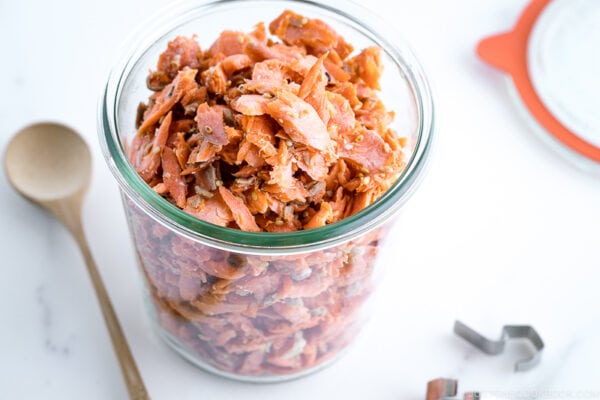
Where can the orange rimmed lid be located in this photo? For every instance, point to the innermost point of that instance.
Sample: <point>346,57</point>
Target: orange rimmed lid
<point>553,58</point>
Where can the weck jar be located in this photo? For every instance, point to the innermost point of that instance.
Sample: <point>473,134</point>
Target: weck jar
<point>257,306</point>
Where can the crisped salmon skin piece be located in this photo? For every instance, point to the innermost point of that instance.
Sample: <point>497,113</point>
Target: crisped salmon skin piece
<point>211,125</point>
<point>172,177</point>
<point>299,120</point>
<point>150,162</point>
<point>242,216</point>
<point>181,52</point>
<point>169,96</point>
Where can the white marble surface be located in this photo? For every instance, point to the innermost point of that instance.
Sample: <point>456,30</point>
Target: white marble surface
<point>501,231</point>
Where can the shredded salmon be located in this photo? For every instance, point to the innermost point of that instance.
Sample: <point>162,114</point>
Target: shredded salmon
<point>249,97</point>
<point>239,210</point>
<point>263,134</point>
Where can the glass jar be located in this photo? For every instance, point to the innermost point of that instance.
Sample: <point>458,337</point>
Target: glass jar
<point>259,307</point>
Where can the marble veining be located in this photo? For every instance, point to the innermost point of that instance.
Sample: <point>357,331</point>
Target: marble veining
<point>51,343</point>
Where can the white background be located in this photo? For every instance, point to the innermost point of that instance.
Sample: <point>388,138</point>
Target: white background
<point>501,231</point>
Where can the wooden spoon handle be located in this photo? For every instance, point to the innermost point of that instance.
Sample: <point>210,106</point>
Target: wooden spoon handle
<point>131,374</point>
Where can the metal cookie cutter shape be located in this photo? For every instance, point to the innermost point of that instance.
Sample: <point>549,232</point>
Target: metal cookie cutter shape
<point>509,332</point>
<point>447,389</point>
<point>440,389</point>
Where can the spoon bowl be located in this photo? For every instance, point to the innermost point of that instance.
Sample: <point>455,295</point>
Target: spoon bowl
<point>48,161</point>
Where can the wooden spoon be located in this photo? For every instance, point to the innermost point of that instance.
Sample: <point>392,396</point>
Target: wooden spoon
<point>51,165</point>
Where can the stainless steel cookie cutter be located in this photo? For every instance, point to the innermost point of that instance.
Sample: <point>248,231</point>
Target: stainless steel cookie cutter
<point>509,332</point>
<point>446,389</point>
<point>441,389</point>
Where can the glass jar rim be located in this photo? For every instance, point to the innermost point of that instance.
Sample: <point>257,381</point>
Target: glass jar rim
<point>172,217</point>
